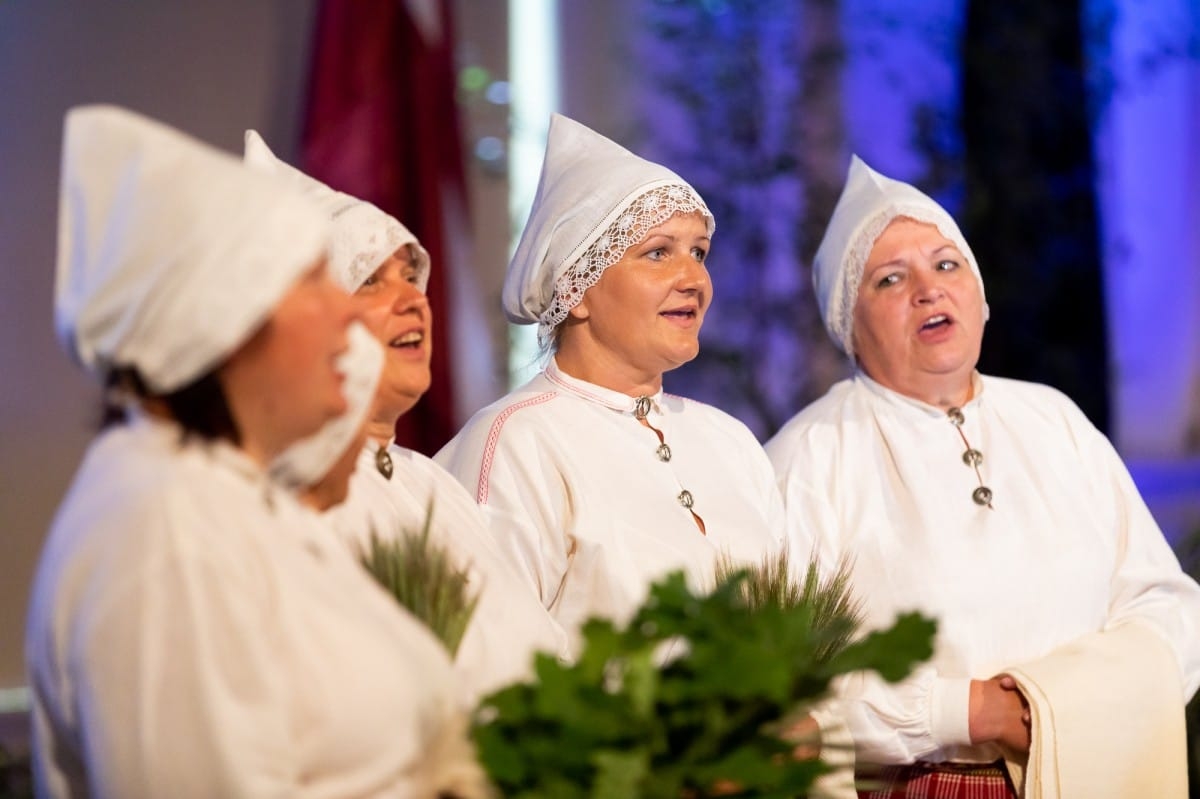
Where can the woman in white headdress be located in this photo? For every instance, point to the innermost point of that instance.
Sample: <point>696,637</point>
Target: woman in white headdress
<point>394,490</point>
<point>994,506</point>
<point>192,629</point>
<point>597,480</point>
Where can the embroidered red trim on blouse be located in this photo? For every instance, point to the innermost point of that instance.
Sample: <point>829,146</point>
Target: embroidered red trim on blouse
<point>493,437</point>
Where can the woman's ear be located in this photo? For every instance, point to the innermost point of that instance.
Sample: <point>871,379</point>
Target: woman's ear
<point>580,311</point>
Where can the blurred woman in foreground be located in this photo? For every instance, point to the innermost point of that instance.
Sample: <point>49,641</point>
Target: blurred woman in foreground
<point>192,630</point>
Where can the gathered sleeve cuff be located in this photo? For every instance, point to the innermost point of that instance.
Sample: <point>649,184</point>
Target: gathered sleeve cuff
<point>905,721</point>
<point>950,711</point>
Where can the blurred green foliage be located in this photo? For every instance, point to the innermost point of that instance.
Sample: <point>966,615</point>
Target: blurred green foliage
<point>691,698</point>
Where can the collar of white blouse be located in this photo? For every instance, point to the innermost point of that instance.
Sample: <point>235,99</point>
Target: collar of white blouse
<point>647,404</point>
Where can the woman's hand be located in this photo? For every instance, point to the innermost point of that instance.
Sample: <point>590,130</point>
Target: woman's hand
<point>998,712</point>
<point>805,735</point>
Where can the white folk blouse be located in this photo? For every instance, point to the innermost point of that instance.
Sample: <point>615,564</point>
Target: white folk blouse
<point>594,507</point>
<point>509,624</point>
<point>1068,547</point>
<point>194,631</point>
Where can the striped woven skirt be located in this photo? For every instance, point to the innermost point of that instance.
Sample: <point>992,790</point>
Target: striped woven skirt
<point>937,781</point>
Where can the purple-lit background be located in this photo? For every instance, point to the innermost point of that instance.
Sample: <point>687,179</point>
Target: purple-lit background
<point>761,104</point>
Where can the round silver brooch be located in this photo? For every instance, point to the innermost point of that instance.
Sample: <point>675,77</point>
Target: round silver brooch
<point>383,462</point>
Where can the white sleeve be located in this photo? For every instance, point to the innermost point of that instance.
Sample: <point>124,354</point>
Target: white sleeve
<point>1148,583</point>
<point>902,722</point>
<point>797,538</point>
<point>509,623</point>
<point>809,517</point>
<point>755,461</point>
<point>525,499</point>
<point>178,685</point>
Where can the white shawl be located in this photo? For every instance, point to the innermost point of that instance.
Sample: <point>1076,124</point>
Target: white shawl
<point>1107,719</point>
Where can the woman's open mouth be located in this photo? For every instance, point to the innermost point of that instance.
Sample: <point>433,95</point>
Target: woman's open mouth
<point>681,314</point>
<point>411,340</point>
<point>935,322</point>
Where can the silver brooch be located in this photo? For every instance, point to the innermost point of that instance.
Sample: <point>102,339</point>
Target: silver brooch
<point>383,462</point>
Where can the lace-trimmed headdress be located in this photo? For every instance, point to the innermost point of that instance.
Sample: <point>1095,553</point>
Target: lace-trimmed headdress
<point>595,200</point>
<point>170,252</point>
<point>362,236</point>
<point>307,461</point>
<point>869,203</point>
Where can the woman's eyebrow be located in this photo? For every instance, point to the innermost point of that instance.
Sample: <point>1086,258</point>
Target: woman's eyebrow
<point>897,261</point>
<point>671,237</point>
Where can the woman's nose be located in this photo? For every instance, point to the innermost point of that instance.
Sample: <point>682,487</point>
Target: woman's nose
<point>926,288</point>
<point>410,298</point>
<point>693,276</point>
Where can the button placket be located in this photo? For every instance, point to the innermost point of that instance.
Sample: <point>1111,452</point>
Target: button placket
<point>641,410</point>
<point>972,458</point>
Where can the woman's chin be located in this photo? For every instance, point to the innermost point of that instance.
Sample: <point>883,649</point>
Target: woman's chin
<point>681,356</point>
<point>403,394</point>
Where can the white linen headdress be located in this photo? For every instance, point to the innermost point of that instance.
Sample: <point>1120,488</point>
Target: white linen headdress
<point>170,252</point>
<point>594,200</point>
<point>868,204</point>
<point>307,461</point>
<point>362,236</point>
